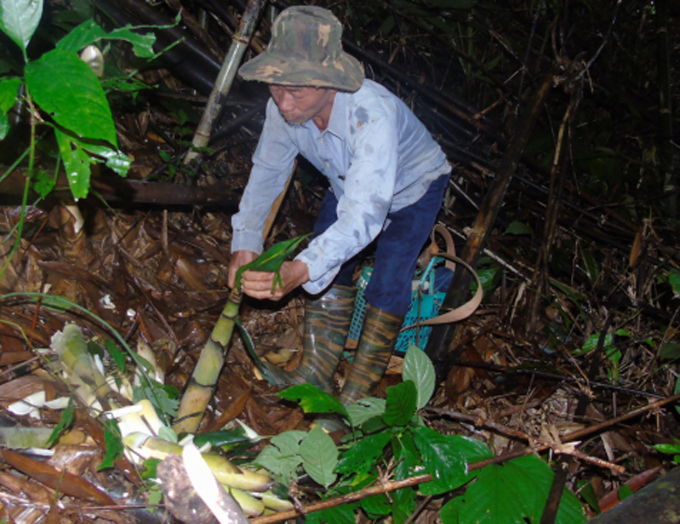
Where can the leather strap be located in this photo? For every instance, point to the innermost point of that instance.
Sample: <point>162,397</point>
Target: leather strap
<point>467,309</point>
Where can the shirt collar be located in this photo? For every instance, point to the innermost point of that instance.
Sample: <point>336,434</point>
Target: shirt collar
<point>339,121</point>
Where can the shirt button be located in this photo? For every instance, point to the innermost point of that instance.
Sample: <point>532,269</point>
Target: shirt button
<point>328,164</point>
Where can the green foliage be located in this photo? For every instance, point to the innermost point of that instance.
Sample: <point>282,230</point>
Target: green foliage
<point>64,422</point>
<point>390,432</point>
<point>113,444</point>
<point>74,106</point>
<point>670,449</point>
<point>610,349</point>
<point>511,493</point>
<point>271,260</point>
<point>19,19</point>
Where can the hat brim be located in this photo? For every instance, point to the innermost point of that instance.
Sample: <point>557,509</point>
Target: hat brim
<point>344,74</point>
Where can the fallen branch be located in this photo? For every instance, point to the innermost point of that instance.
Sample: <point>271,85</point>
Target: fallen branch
<point>562,448</point>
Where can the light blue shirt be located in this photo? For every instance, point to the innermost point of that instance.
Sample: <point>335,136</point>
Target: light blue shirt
<point>377,156</point>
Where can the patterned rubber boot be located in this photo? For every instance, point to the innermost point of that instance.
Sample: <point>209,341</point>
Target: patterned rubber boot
<point>326,326</point>
<point>378,338</point>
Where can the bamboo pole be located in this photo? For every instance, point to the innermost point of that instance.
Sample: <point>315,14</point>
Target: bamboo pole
<point>226,78</point>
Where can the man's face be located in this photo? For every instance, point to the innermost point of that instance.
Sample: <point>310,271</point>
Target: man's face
<point>297,105</point>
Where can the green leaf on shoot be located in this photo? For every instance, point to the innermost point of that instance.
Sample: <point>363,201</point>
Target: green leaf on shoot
<point>419,369</point>
<point>338,515</point>
<point>514,492</point>
<point>401,404</point>
<point>312,400</point>
<point>319,456</point>
<point>77,101</point>
<point>282,456</point>
<point>365,409</point>
<point>117,355</point>
<point>113,444</point>
<point>19,19</point>
<point>364,454</point>
<point>64,423</point>
<point>446,457</point>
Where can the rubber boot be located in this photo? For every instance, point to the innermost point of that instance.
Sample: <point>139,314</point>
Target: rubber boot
<point>378,338</point>
<point>326,326</point>
<point>377,341</point>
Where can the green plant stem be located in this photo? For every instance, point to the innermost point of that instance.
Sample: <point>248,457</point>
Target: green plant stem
<point>29,176</point>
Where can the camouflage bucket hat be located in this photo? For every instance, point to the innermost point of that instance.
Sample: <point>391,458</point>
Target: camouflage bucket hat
<point>306,50</point>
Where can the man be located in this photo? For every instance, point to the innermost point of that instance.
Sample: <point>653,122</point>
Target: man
<point>387,177</point>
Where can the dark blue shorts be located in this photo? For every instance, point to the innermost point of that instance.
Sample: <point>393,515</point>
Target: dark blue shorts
<point>396,249</point>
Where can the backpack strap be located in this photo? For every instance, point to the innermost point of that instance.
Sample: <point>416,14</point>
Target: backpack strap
<point>467,309</point>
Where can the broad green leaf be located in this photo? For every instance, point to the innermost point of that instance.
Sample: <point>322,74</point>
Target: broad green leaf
<point>674,281</point>
<point>338,515</point>
<point>625,491</point>
<point>163,397</point>
<point>365,409</point>
<point>4,125</point>
<point>64,422</point>
<point>77,101</point>
<point>9,87</point>
<point>446,457</point>
<point>407,456</point>
<point>364,454</point>
<point>588,493</point>
<point>43,182</point>
<point>512,493</point>
<point>419,369</point>
<point>113,444</point>
<point>403,504</point>
<point>592,342</point>
<point>19,19</point>
<point>142,44</point>
<point>76,164</point>
<point>312,399</point>
<point>319,456</point>
<point>168,434</point>
<point>117,355</point>
<point>518,228</point>
<point>667,448</point>
<point>282,456</point>
<point>451,511</point>
<point>669,350</point>
<point>83,35</point>
<point>401,404</point>
<point>376,506</point>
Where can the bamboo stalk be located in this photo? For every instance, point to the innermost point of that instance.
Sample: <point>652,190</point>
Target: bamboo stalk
<point>225,78</point>
<point>200,388</point>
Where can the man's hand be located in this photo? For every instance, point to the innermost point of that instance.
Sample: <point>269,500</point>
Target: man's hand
<point>258,284</point>
<point>238,259</point>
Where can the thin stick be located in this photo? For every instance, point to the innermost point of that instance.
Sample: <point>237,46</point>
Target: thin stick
<point>535,443</point>
<point>383,487</point>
